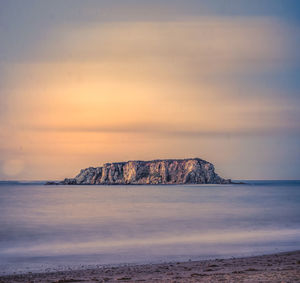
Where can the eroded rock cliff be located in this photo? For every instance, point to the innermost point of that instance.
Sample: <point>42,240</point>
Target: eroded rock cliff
<point>167,171</point>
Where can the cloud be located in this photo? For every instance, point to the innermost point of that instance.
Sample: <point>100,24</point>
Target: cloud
<point>128,89</point>
<point>213,44</point>
<point>168,130</point>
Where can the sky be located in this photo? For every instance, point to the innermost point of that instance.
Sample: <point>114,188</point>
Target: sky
<point>83,83</point>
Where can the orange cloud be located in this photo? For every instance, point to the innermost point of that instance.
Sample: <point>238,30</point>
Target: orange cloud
<point>115,91</point>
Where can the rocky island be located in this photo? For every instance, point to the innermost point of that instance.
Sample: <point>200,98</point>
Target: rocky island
<point>166,171</point>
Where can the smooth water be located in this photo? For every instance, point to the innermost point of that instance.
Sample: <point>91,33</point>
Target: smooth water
<point>56,227</point>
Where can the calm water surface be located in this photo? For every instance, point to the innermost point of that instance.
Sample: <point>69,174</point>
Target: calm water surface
<point>56,227</point>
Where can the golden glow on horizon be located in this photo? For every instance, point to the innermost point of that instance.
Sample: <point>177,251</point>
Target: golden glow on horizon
<point>99,93</point>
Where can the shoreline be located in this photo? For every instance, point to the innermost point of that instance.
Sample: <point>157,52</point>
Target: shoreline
<point>277,267</point>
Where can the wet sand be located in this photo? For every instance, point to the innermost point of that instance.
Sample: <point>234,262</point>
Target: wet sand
<point>282,267</point>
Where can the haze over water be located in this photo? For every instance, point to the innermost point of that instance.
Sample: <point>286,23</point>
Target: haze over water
<point>57,227</point>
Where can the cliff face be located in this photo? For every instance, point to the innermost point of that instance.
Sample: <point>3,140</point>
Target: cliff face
<point>170,171</point>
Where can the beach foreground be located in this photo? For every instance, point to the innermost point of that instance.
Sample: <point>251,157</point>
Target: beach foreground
<point>281,267</point>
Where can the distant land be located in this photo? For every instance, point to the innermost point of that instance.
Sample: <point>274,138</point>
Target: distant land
<point>154,172</point>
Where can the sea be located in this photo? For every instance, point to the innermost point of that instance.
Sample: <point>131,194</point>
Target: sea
<point>51,228</point>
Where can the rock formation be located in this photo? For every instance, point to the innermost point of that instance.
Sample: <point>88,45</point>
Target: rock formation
<point>167,171</point>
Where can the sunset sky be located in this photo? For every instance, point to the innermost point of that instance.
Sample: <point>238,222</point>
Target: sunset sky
<point>88,82</point>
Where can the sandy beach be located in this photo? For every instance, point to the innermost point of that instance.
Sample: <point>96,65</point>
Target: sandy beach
<point>281,267</point>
